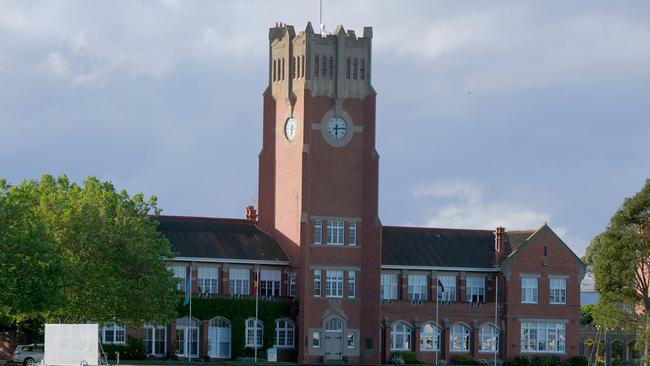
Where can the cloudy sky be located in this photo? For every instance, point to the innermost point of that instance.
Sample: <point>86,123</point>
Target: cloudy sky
<point>488,113</point>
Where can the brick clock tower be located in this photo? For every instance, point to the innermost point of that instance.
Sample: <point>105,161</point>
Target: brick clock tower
<point>318,192</point>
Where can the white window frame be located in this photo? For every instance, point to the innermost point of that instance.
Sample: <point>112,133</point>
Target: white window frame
<point>253,328</point>
<point>334,283</point>
<point>207,278</point>
<point>352,284</point>
<point>292,285</point>
<point>350,340</point>
<point>417,287</point>
<point>155,341</point>
<point>388,289</point>
<point>117,334</point>
<point>335,231</point>
<point>318,232</point>
<point>543,337</point>
<point>315,339</point>
<point>220,329</point>
<point>352,234</point>
<point>318,283</point>
<point>270,282</point>
<point>400,331</point>
<point>557,289</point>
<point>432,334</point>
<point>239,281</point>
<point>285,333</point>
<point>488,335</point>
<point>460,338</point>
<point>529,289</point>
<point>475,285</point>
<point>180,274</point>
<point>449,283</point>
<point>188,327</point>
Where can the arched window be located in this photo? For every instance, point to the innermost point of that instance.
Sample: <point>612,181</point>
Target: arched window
<point>488,338</point>
<point>254,332</point>
<point>334,324</point>
<point>285,331</point>
<point>187,337</point>
<point>219,337</point>
<point>459,338</point>
<point>429,337</point>
<point>400,337</point>
<point>155,339</point>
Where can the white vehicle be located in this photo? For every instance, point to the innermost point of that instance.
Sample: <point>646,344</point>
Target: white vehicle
<point>28,354</point>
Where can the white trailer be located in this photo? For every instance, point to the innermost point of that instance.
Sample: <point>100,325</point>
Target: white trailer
<point>72,345</point>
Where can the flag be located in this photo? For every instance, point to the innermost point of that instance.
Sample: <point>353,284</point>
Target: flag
<point>255,284</point>
<point>188,289</point>
<point>441,286</point>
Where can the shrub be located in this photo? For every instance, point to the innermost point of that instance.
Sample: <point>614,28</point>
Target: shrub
<point>521,360</point>
<point>464,360</point>
<point>547,361</point>
<point>442,363</point>
<point>578,361</point>
<point>132,350</point>
<point>407,357</point>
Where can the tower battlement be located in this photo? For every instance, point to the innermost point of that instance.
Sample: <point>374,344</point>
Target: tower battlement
<point>336,65</point>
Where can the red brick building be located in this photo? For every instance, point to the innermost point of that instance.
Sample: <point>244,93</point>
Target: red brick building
<point>364,291</point>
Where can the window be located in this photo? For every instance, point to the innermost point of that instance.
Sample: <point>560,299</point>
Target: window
<point>352,234</point>
<point>219,337</point>
<point>285,331</point>
<point>239,281</point>
<point>208,280</point>
<point>355,64</point>
<point>292,285</point>
<point>447,288</point>
<point>113,333</point>
<point>292,68</point>
<point>275,73</point>
<point>302,61</point>
<point>488,338</point>
<point>352,291</point>
<point>316,65</point>
<point>362,69</point>
<point>315,339</point>
<point>155,340</point>
<point>317,282</point>
<point>388,286</point>
<point>334,325</point>
<point>335,231</point>
<point>417,289</point>
<point>334,283</point>
<point>347,68</point>
<point>529,290</point>
<point>187,337</point>
<point>475,289</point>
<point>459,338</point>
<point>349,340</point>
<point>330,68</point>
<point>254,333</point>
<point>400,337</point>
<point>269,282</point>
<point>318,232</point>
<point>283,69</point>
<point>558,290</point>
<point>323,65</point>
<point>543,337</point>
<point>429,337</point>
<point>180,273</point>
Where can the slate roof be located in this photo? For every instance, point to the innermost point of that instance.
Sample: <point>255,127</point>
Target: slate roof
<point>434,247</point>
<point>515,238</point>
<point>205,237</point>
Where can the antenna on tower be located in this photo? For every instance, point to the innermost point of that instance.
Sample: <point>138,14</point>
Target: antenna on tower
<point>323,33</point>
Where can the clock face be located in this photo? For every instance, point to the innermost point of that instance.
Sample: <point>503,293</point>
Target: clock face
<point>337,127</point>
<point>290,128</point>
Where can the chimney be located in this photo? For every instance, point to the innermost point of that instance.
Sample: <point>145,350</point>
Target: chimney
<point>499,244</point>
<point>251,214</point>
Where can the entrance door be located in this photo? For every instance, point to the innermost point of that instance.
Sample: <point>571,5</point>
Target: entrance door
<point>333,342</point>
<point>219,338</point>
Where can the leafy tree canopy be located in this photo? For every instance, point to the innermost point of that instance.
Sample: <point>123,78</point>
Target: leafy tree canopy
<point>97,251</point>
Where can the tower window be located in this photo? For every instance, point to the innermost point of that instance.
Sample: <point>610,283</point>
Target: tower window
<point>330,68</point>
<point>274,72</point>
<point>282,69</point>
<point>292,68</point>
<point>362,69</point>
<point>316,65</point>
<point>347,68</point>
<point>298,69</point>
<point>323,62</point>
<point>354,68</point>
<point>302,59</point>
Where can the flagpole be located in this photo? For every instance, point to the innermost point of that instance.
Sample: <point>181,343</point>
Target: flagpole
<point>437,324</point>
<point>257,302</point>
<point>496,328</point>
<point>190,345</point>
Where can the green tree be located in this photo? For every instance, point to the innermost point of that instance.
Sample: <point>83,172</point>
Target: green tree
<point>620,260</point>
<point>109,250</point>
